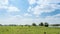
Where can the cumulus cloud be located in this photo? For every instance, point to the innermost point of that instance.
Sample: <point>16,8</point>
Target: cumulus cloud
<point>12,9</point>
<point>44,6</point>
<point>32,1</point>
<point>27,14</point>
<point>4,4</point>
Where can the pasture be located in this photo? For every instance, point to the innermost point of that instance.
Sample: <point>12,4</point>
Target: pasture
<point>28,30</point>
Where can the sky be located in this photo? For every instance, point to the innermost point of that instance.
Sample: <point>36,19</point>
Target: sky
<point>29,11</point>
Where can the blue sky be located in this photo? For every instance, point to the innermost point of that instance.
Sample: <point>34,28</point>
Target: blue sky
<point>29,11</point>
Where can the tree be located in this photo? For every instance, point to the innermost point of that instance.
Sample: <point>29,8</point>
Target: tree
<point>41,24</point>
<point>33,24</point>
<point>46,24</point>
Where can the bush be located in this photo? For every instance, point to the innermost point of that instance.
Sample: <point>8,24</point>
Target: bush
<point>46,24</point>
<point>41,24</point>
<point>33,24</point>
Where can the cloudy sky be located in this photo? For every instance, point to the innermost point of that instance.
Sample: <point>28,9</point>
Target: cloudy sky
<point>29,11</point>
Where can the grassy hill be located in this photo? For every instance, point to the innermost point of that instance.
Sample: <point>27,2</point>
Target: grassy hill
<point>28,30</point>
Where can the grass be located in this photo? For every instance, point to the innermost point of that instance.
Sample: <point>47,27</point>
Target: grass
<point>28,30</point>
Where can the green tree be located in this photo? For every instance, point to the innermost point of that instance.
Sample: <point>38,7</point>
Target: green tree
<point>46,24</point>
<point>33,24</point>
<point>41,24</point>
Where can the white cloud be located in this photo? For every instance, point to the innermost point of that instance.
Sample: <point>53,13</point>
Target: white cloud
<point>12,9</point>
<point>27,14</point>
<point>54,1</point>
<point>44,6</point>
<point>32,1</point>
<point>3,4</point>
<point>57,15</point>
<point>54,16</point>
<point>43,1</point>
<point>53,19</point>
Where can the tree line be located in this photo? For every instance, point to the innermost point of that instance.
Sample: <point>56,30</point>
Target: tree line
<point>46,24</point>
<point>33,24</point>
<point>41,24</point>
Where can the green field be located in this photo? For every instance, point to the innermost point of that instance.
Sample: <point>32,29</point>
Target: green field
<point>28,30</point>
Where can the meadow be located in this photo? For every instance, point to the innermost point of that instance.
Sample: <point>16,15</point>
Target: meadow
<point>28,30</point>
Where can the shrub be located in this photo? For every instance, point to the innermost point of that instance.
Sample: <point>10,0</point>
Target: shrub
<point>41,24</point>
<point>33,24</point>
<point>46,24</point>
